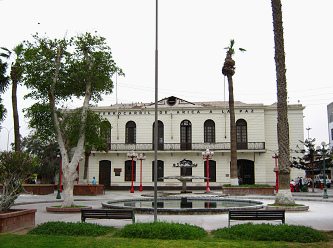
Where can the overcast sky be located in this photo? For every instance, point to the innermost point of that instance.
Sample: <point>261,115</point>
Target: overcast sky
<point>192,37</point>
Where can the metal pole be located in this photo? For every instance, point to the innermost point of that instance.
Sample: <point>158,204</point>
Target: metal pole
<point>59,183</point>
<point>60,174</point>
<point>156,114</point>
<point>325,196</point>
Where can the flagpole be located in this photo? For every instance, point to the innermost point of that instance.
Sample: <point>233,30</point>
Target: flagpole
<point>156,115</point>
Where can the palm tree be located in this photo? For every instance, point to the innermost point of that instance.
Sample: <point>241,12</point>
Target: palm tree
<point>228,70</point>
<point>284,196</point>
<point>16,72</point>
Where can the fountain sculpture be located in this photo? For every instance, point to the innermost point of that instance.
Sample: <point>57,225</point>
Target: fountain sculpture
<point>183,165</point>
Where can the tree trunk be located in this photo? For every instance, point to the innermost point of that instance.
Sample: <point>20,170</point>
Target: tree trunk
<point>15,116</point>
<point>284,196</point>
<point>233,135</point>
<point>228,70</point>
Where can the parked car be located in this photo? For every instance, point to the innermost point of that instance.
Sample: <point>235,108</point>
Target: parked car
<point>319,180</point>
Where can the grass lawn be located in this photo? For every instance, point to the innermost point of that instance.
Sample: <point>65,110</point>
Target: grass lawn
<point>35,241</point>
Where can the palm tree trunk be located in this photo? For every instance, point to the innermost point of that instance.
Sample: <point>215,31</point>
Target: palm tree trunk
<point>233,137</point>
<point>16,117</point>
<point>284,196</point>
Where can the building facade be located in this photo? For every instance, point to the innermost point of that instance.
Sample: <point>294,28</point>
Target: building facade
<point>185,130</point>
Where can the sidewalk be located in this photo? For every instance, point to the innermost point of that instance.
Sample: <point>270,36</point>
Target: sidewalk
<point>319,215</point>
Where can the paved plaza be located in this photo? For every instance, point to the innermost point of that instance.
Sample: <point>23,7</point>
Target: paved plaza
<point>319,216</point>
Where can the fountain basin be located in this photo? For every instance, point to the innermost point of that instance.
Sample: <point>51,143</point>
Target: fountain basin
<point>184,205</point>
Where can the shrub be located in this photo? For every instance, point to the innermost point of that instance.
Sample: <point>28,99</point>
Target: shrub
<point>269,232</point>
<point>71,229</point>
<point>15,168</point>
<point>162,230</point>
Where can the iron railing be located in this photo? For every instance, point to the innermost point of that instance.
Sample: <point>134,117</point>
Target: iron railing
<point>185,147</point>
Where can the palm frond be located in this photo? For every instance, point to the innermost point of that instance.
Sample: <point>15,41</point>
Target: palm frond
<point>232,43</point>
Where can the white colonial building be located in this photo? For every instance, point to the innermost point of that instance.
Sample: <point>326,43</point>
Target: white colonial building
<point>185,130</point>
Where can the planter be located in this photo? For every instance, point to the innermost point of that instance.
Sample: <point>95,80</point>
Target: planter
<point>248,190</point>
<point>39,189</point>
<point>88,189</point>
<point>17,219</point>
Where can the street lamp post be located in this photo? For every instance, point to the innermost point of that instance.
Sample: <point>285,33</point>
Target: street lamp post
<point>141,157</point>
<point>132,155</point>
<point>207,155</point>
<point>60,178</point>
<point>323,152</point>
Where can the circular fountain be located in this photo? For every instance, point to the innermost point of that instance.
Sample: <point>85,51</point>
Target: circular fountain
<point>181,204</point>
<point>185,202</point>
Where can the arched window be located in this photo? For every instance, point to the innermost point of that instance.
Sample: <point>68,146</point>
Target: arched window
<point>130,135</point>
<point>106,133</point>
<point>160,136</point>
<point>241,127</point>
<point>185,135</point>
<point>209,131</point>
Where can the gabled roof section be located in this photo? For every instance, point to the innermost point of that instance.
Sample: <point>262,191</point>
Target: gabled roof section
<point>173,101</point>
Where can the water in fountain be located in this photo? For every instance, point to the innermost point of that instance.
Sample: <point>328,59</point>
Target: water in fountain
<point>184,203</point>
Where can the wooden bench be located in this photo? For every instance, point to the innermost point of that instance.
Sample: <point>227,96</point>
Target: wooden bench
<point>256,215</point>
<point>107,214</point>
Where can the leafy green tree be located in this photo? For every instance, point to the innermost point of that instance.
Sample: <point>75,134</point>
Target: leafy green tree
<point>3,112</point>
<point>310,160</point>
<point>284,196</point>
<point>63,69</point>
<point>15,76</point>
<point>47,152</point>
<point>4,81</point>
<point>95,133</point>
<point>40,119</point>
<point>228,70</point>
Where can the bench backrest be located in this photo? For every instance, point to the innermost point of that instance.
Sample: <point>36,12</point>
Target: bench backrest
<point>257,214</point>
<point>108,213</point>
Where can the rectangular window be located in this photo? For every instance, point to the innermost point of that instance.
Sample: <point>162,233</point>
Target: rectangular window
<point>160,171</point>
<point>128,170</point>
<point>332,134</point>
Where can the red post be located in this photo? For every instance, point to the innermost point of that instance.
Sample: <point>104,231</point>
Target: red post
<point>276,170</point>
<point>132,155</point>
<point>140,187</point>
<point>207,174</point>
<point>132,177</point>
<point>207,155</point>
